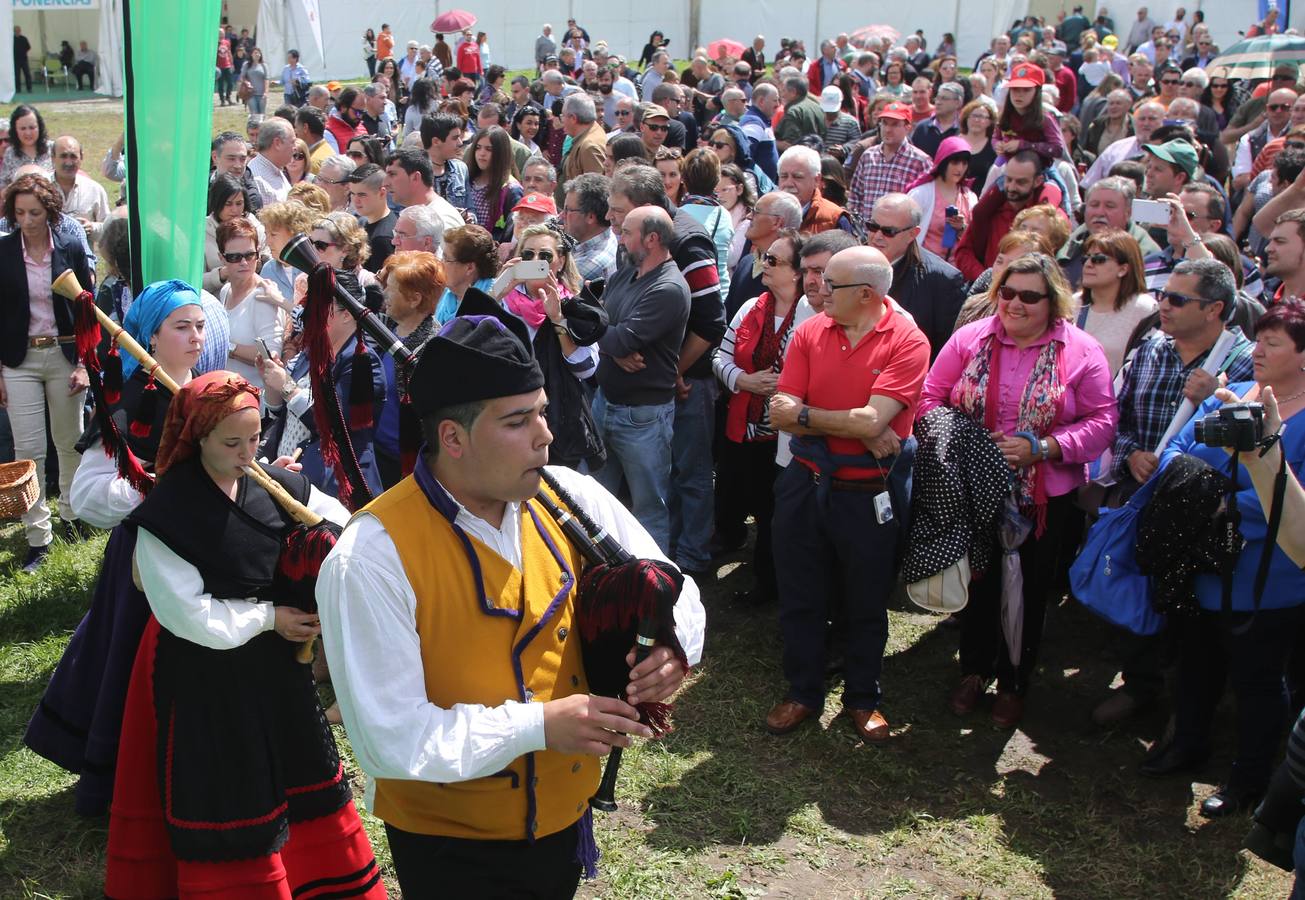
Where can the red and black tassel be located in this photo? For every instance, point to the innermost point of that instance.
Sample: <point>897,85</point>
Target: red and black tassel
<point>361,399</point>
<point>142,423</point>
<point>112,366</point>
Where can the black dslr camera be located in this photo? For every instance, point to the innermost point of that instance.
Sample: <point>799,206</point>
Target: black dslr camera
<point>1236,425</point>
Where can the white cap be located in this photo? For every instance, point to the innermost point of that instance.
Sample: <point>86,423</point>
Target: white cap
<point>831,99</point>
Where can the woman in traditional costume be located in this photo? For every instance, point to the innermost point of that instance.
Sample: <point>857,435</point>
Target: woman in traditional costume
<point>80,717</point>
<point>229,782</point>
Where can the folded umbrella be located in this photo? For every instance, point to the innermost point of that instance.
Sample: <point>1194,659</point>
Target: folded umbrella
<point>1012,531</point>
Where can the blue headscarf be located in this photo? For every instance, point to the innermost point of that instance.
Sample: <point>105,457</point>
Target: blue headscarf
<point>148,311</point>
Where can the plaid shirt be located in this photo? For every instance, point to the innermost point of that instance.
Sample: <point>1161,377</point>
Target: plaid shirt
<point>1153,390</point>
<point>876,176</point>
<point>596,257</point>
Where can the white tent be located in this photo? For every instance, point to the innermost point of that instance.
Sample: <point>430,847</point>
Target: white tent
<point>513,25</point>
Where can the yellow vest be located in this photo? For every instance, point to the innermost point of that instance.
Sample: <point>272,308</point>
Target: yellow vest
<point>476,648</point>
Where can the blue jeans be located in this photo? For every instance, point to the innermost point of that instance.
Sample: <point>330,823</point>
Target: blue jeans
<point>638,440</point>
<point>692,500</point>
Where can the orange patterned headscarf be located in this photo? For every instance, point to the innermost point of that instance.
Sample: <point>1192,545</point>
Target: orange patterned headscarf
<point>197,409</point>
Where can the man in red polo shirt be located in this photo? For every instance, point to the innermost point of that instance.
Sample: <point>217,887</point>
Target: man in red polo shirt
<point>847,394</point>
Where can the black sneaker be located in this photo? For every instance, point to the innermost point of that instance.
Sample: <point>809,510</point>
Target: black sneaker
<point>35,556</point>
<point>75,531</point>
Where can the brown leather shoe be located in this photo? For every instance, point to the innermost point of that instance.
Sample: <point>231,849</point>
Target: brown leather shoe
<point>870,725</point>
<point>787,715</point>
<point>1008,709</point>
<point>966,695</point>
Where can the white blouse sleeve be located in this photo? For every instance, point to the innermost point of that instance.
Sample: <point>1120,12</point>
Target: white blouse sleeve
<point>369,631</point>
<point>607,511</point>
<point>176,595</point>
<point>327,507</point>
<point>99,495</point>
<point>722,360</point>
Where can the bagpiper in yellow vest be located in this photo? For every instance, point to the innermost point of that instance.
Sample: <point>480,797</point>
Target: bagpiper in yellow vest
<point>489,634</point>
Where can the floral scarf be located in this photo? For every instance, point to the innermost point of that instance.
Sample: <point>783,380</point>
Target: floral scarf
<point>977,393</point>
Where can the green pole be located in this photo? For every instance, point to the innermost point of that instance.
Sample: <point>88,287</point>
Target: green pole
<point>169,52</point>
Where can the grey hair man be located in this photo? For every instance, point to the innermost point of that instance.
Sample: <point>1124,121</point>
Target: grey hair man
<point>419,228</point>
<point>539,176</point>
<point>924,284</point>
<point>775,212</point>
<point>588,151</point>
<point>584,216</point>
<point>333,177</point>
<point>860,404</point>
<point>276,145</point>
<point>799,175</point>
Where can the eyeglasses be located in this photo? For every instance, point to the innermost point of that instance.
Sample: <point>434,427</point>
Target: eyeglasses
<point>299,156</point>
<point>1295,145</point>
<point>1098,259</point>
<point>830,287</point>
<point>651,127</point>
<point>720,145</point>
<point>545,255</point>
<point>322,180</point>
<point>771,259</point>
<point>1028,298</point>
<point>240,257</point>
<point>1178,301</point>
<point>1277,107</point>
<point>322,245</point>
<point>871,227</point>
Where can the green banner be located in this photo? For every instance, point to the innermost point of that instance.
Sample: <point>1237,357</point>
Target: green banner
<point>169,49</point>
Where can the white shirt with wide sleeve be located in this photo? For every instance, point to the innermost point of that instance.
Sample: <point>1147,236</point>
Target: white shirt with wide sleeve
<point>369,630</point>
<point>175,591</point>
<point>99,495</point>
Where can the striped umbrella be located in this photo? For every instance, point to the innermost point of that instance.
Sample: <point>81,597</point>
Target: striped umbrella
<point>1256,57</point>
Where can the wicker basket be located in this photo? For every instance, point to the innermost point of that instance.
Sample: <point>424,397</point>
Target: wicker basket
<point>19,489</point>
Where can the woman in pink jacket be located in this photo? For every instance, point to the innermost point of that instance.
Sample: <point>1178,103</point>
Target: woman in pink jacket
<point>1041,386</point>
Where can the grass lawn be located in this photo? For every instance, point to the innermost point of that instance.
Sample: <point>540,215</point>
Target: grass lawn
<point>949,808</point>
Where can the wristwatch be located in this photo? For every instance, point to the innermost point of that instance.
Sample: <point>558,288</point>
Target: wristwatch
<point>1197,239</point>
<point>804,417</point>
<point>1045,446</point>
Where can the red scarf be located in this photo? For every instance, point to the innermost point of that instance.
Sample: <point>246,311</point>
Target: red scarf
<point>756,348</point>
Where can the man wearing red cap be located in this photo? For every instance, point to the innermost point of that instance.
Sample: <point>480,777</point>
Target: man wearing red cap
<point>533,209</point>
<point>887,166</point>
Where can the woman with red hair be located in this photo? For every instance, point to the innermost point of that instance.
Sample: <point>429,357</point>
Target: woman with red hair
<point>229,782</point>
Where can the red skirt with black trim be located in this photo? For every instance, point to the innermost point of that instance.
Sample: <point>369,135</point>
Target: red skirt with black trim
<point>209,801</point>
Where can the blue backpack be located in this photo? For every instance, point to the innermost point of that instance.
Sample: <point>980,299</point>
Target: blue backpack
<point>1106,579</point>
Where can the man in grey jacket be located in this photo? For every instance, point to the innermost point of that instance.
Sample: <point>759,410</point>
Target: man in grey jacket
<point>545,47</point>
<point>647,304</point>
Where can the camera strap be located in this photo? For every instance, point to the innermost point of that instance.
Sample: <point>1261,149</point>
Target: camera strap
<point>1270,538</point>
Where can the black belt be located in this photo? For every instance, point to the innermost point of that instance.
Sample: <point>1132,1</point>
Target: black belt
<point>862,485</point>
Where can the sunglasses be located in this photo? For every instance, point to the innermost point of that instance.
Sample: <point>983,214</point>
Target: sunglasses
<point>1098,259</point>
<point>545,255</point>
<point>1170,81</point>
<point>240,257</point>
<point>1219,85</point>
<point>623,112</point>
<point>888,230</point>
<point>771,259</point>
<point>1178,301</point>
<point>720,145</point>
<point>1277,107</point>
<point>1295,145</point>
<point>1191,84</point>
<point>652,127</point>
<point>1028,298</point>
<point>322,245</point>
<point>299,156</point>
